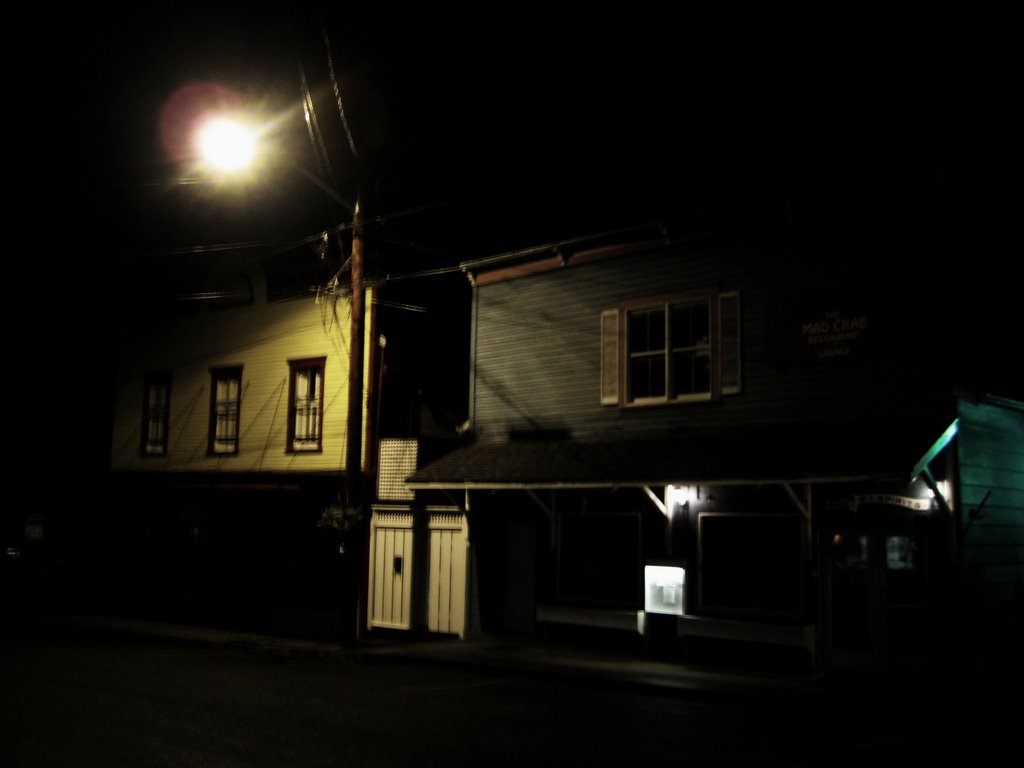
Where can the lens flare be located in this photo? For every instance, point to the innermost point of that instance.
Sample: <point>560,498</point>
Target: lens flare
<point>188,108</point>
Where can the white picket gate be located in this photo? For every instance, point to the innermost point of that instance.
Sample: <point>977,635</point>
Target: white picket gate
<point>404,591</point>
<point>447,579</point>
<point>392,569</point>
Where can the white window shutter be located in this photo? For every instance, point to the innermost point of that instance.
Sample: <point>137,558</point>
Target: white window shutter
<point>729,322</point>
<point>610,357</point>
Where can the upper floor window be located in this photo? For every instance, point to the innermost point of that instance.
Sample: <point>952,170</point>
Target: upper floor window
<point>225,405</point>
<point>306,409</point>
<point>677,348</point>
<point>156,401</point>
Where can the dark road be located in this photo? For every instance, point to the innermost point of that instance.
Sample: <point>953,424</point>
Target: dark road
<point>89,698</point>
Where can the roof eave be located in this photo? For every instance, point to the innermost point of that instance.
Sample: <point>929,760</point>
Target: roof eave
<point>509,485</point>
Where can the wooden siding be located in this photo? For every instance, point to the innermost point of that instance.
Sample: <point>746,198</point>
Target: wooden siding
<point>537,343</point>
<point>261,338</point>
<point>991,459</point>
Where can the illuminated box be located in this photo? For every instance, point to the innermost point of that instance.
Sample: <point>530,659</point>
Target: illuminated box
<point>664,587</point>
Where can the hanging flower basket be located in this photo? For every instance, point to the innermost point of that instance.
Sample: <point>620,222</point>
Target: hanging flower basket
<point>341,517</point>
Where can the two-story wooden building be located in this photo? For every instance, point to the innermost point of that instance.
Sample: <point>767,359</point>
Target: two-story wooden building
<point>724,438</point>
<point>229,441</point>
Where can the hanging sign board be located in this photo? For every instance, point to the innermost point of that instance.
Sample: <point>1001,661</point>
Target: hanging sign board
<point>892,500</point>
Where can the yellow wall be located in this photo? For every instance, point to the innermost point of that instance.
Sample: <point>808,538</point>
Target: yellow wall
<point>262,337</point>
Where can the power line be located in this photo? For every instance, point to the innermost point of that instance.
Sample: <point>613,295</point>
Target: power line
<point>337,94</point>
<point>290,243</point>
<point>333,285</point>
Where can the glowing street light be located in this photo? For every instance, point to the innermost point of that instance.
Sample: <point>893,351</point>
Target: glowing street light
<point>208,130</point>
<point>226,144</point>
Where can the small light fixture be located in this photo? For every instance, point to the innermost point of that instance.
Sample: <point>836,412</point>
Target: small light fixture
<point>676,497</point>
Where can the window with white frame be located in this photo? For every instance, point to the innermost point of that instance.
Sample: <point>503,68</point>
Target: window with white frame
<point>225,407</point>
<point>676,348</point>
<point>156,401</point>
<point>306,409</point>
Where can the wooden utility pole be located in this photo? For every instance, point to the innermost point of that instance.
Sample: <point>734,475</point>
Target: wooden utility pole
<point>355,562</point>
<point>359,557</point>
<point>354,442</point>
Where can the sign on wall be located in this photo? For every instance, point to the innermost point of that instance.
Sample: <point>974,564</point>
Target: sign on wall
<point>833,334</point>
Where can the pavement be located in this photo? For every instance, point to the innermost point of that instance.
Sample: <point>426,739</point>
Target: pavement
<point>876,721</point>
<point>550,660</point>
<point>496,653</point>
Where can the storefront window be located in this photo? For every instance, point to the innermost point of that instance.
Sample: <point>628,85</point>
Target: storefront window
<point>900,553</point>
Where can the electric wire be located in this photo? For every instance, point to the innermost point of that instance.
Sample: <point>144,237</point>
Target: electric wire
<point>286,244</point>
<point>316,138</point>
<point>316,141</point>
<point>279,391</point>
<point>337,94</point>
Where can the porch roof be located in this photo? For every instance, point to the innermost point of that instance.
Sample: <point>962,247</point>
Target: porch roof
<point>780,454</point>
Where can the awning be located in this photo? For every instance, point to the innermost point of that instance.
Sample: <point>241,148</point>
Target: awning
<point>777,454</point>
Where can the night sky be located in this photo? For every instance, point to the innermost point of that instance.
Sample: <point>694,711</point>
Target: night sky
<point>480,133</point>
<point>515,127</point>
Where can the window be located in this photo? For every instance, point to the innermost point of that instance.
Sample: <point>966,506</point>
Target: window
<point>306,404</point>
<point>225,402</point>
<point>678,348</point>
<point>751,564</point>
<point>156,400</point>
